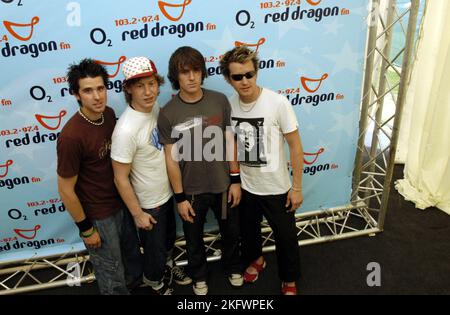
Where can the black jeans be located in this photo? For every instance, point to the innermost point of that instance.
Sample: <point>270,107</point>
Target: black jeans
<point>159,241</point>
<point>229,231</point>
<point>252,208</point>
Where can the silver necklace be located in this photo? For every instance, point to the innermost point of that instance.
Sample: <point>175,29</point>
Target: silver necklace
<point>90,121</point>
<point>252,104</point>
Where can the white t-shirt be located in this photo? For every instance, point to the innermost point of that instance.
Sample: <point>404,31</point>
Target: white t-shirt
<point>260,129</point>
<point>135,141</point>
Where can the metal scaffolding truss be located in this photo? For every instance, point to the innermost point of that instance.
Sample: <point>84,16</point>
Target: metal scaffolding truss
<point>374,164</point>
<point>70,269</point>
<point>372,175</point>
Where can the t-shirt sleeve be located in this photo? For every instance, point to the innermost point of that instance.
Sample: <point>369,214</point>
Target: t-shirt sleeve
<point>123,147</point>
<point>287,117</point>
<point>165,129</point>
<point>232,123</point>
<point>226,112</point>
<point>69,153</point>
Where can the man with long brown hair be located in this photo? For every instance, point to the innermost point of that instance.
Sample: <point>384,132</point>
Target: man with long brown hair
<point>200,182</point>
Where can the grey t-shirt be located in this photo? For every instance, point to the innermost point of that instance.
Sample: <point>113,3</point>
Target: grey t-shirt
<point>199,131</point>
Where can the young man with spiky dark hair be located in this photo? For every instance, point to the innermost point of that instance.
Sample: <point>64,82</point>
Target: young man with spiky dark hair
<point>85,175</point>
<point>189,122</point>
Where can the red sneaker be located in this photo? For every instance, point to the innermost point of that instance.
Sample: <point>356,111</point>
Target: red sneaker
<point>249,277</point>
<point>288,290</point>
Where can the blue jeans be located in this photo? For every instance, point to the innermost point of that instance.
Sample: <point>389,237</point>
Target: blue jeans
<point>157,243</point>
<point>107,260</point>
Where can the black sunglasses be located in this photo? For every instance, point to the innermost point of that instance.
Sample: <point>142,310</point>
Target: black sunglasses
<point>239,77</point>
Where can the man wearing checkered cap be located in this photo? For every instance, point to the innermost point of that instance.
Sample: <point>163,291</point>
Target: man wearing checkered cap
<point>141,178</point>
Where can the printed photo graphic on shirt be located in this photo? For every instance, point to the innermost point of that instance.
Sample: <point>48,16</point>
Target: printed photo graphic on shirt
<point>250,144</point>
<point>154,139</point>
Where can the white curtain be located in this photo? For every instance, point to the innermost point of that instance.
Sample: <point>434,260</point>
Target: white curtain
<point>427,165</point>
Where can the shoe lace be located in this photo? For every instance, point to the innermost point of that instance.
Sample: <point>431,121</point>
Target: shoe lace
<point>179,272</point>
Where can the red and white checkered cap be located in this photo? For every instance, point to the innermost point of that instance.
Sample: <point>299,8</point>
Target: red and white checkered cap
<point>138,67</point>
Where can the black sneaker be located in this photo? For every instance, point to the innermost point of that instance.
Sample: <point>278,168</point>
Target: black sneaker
<point>179,276</point>
<point>165,289</point>
<point>132,287</point>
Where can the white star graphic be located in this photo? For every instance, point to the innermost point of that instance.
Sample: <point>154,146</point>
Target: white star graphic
<point>284,28</point>
<point>324,144</point>
<point>16,167</point>
<point>345,122</point>
<point>28,151</point>
<point>306,50</point>
<point>306,107</point>
<point>49,172</point>
<point>25,115</point>
<point>333,27</point>
<point>223,44</point>
<point>346,59</point>
<point>311,127</point>
<point>363,11</point>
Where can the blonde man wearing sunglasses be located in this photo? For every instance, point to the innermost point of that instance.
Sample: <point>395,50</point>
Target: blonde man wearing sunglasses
<point>262,121</point>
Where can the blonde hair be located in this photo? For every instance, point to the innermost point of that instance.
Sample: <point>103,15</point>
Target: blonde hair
<point>240,54</point>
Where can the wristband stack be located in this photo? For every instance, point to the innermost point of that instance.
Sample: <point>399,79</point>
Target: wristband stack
<point>84,226</point>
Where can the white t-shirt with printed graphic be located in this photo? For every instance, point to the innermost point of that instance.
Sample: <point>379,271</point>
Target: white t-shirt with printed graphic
<point>135,141</point>
<point>260,130</point>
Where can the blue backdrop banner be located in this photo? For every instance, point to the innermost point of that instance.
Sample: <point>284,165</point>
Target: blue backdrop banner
<point>311,51</point>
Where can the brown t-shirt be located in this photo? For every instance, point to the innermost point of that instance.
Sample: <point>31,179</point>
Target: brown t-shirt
<point>84,149</point>
<point>179,120</point>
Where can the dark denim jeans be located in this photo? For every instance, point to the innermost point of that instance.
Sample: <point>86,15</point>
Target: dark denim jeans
<point>157,244</point>
<point>229,231</point>
<point>252,208</point>
<point>107,260</point>
<point>132,257</point>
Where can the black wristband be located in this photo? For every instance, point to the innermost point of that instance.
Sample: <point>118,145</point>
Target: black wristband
<point>235,179</point>
<point>180,197</point>
<point>84,225</point>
